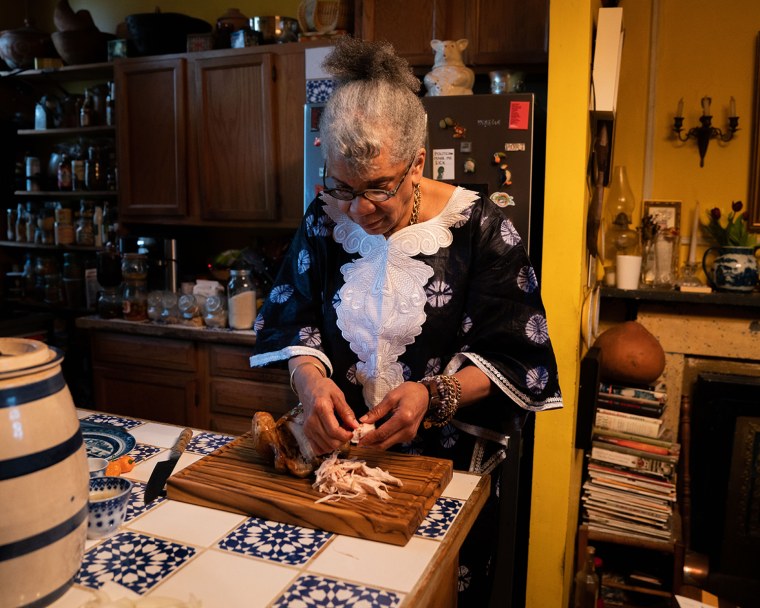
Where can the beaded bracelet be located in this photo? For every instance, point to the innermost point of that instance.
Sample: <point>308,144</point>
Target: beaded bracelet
<point>295,369</point>
<point>444,400</point>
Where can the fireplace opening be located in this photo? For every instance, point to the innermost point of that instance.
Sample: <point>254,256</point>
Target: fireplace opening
<point>725,482</point>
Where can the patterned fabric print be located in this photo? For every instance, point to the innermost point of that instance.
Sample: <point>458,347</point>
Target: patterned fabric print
<point>526,279</point>
<point>136,561</point>
<point>310,336</point>
<point>304,261</point>
<point>466,324</point>
<point>433,367</point>
<point>318,591</point>
<point>509,233</point>
<point>143,451</point>
<point>275,542</point>
<point>205,443</point>
<point>125,423</point>
<point>440,518</point>
<point>536,329</point>
<point>438,294</point>
<point>537,378</point>
<point>136,505</point>
<point>281,294</point>
<point>318,90</point>
<point>258,324</point>
<point>449,436</point>
<point>320,227</point>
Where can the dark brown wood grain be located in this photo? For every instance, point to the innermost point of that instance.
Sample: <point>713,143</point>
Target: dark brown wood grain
<point>236,479</point>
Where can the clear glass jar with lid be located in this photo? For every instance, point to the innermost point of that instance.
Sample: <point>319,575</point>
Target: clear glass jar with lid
<point>134,266</point>
<point>134,301</point>
<point>214,312</point>
<point>241,299</point>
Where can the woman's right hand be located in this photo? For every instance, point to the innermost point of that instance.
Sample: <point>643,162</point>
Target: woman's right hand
<point>328,420</point>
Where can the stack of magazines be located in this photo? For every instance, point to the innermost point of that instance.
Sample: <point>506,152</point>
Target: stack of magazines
<point>631,474</point>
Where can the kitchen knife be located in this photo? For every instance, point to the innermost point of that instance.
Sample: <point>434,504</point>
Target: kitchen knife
<point>163,469</point>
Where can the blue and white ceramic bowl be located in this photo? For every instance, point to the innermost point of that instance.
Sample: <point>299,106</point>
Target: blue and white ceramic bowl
<point>97,466</point>
<point>109,497</point>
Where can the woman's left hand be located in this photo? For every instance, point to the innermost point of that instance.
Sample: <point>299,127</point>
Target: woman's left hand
<point>407,405</point>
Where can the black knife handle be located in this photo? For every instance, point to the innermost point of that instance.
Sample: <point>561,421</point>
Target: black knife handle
<point>179,446</point>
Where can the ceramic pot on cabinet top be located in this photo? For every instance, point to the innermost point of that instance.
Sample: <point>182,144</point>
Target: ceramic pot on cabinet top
<point>734,268</point>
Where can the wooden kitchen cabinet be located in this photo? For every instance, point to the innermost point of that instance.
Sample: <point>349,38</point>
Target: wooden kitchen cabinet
<point>213,138</point>
<point>500,32</point>
<point>206,385</point>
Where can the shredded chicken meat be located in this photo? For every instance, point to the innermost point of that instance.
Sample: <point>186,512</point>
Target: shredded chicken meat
<point>340,478</point>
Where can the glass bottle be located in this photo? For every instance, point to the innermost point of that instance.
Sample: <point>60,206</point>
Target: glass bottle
<point>108,267</point>
<point>10,231</point>
<point>21,223</point>
<point>110,105</point>
<point>620,196</point>
<point>109,304</point>
<point>85,233</point>
<point>619,239</point>
<point>87,111</point>
<point>241,299</point>
<point>64,173</point>
<point>134,301</point>
<point>587,583</point>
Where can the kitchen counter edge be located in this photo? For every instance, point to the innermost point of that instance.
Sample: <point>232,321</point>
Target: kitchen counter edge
<point>161,330</point>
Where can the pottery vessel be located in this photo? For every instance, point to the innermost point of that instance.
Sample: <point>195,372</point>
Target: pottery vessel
<point>19,47</point>
<point>44,477</point>
<point>733,269</point>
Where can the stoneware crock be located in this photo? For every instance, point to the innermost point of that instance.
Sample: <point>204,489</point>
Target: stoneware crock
<point>44,479</point>
<point>734,268</point>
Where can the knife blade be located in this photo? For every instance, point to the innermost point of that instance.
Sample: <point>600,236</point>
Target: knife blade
<point>163,469</point>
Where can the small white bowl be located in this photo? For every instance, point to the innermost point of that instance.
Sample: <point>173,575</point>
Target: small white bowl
<point>97,466</point>
<point>109,497</point>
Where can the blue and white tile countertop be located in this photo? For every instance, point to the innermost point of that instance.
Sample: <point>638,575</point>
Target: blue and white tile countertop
<point>171,549</point>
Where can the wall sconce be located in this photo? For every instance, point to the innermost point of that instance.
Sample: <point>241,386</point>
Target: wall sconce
<point>704,133</point>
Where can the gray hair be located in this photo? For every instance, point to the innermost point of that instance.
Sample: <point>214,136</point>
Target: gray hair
<point>375,105</point>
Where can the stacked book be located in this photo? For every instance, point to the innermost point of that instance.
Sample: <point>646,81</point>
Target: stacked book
<point>631,474</point>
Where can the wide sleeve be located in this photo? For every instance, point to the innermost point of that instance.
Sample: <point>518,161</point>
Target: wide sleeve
<point>290,321</point>
<point>507,335</point>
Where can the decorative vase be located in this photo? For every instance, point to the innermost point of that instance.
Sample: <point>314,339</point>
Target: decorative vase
<point>647,264</point>
<point>734,268</point>
<point>44,478</point>
<point>665,257</point>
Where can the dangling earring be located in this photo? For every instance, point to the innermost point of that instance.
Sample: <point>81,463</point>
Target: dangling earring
<point>416,205</point>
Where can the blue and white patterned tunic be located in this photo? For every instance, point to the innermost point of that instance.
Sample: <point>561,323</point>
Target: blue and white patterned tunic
<point>456,289</point>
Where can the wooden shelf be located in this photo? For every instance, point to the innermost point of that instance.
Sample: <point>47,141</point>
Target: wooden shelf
<point>66,193</point>
<point>61,248</point>
<point>83,71</point>
<point>721,298</point>
<point>637,589</point>
<point>68,131</point>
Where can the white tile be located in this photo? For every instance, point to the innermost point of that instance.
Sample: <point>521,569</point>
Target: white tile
<point>313,59</point>
<point>142,471</point>
<point>154,433</point>
<point>461,485</point>
<point>224,580</point>
<point>75,597</point>
<point>199,526</point>
<point>374,563</point>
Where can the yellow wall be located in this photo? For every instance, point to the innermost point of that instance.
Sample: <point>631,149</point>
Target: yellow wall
<point>557,465</point>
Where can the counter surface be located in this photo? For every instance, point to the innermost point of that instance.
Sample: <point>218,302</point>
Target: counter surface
<point>178,550</point>
<point>185,332</point>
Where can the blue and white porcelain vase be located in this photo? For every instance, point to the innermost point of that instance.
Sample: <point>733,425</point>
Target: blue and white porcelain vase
<point>734,268</point>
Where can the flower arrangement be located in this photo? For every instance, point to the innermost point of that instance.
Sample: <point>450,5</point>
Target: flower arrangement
<point>735,232</point>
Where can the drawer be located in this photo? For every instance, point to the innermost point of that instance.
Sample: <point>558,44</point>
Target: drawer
<point>232,361</point>
<point>144,351</point>
<point>244,397</point>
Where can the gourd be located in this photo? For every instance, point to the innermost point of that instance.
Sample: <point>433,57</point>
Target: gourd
<point>630,354</point>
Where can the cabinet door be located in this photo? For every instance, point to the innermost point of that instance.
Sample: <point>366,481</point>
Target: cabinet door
<point>410,26</point>
<point>507,32</point>
<point>158,395</point>
<point>233,121</point>
<point>152,127</point>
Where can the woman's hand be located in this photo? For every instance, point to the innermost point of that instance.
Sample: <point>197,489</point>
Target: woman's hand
<point>407,404</point>
<point>328,420</point>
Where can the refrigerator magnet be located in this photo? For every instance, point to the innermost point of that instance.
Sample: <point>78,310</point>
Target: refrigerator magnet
<point>502,199</point>
<point>469,165</point>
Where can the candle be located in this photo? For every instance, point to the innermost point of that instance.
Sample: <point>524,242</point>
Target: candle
<point>732,107</point>
<point>679,112</point>
<point>694,236</point>
<point>706,106</point>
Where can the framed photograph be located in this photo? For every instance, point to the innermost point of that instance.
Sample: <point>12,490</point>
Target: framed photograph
<point>666,214</point>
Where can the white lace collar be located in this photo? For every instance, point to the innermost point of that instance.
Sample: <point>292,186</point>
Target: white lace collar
<point>382,302</point>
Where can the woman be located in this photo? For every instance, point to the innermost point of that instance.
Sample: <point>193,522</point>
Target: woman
<point>404,302</point>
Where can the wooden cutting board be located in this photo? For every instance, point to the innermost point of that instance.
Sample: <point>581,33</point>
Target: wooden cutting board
<point>235,478</point>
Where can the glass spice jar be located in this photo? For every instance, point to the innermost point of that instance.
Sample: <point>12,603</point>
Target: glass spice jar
<point>241,294</point>
<point>134,301</point>
<point>134,266</point>
<point>214,312</point>
<point>109,303</point>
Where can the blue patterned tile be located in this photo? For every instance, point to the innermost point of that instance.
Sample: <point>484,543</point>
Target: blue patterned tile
<point>136,505</point>
<point>310,590</point>
<point>438,520</point>
<point>205,443</point>
<point>125,423</point>
<point>136,561</point>
<point>275,541</point>
<point>143,451</point>
<point>318,90</point>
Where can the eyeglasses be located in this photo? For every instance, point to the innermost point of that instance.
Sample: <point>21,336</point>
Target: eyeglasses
<point>374,195</point>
